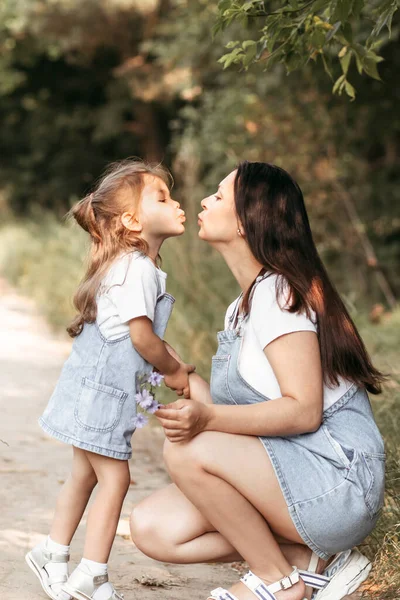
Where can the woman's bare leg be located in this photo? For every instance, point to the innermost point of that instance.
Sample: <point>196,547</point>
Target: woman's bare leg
<point>73,498</point>
<point>168,527</point>
<point>215,471</point>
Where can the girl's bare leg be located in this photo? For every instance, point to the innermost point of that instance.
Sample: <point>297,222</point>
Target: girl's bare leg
<point>113,483</point>
<point>73,498</point>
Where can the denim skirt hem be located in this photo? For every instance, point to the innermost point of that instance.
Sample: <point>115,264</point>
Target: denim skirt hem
<point>84,445</point>
<point>289,501</point>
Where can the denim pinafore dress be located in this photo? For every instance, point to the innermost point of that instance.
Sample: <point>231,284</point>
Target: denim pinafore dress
<point>332,479</point>
<point>93,405</point>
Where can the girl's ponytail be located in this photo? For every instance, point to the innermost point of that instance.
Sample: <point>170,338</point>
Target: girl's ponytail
<point>84,215</point>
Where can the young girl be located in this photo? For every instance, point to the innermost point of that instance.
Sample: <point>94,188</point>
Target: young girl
<point>123,311</point>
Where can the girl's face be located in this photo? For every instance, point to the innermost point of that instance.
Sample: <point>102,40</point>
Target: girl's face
<point>218,221</point>
<point>160,217</point>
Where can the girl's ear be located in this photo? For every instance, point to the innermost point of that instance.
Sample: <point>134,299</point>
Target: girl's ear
<point>129,221</point>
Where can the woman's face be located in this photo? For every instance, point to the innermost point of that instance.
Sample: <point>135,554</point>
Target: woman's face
<point>218,221</point>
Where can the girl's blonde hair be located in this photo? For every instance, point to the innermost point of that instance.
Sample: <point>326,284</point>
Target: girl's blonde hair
<point>99,214</point>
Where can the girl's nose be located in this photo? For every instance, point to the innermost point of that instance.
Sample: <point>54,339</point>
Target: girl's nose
<point>203,203</point>
<point>177,204</point>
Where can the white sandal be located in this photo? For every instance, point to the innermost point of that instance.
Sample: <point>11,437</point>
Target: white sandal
<point>37,559</point>
<point>81,585</point>
<point>341,577</point>
<point>259,588</point>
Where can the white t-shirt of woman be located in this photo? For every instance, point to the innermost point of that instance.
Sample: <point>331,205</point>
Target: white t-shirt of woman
<point>130,289</point>
<point>267,321</point>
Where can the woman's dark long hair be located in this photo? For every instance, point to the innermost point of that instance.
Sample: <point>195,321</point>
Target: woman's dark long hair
<point>270,206</point>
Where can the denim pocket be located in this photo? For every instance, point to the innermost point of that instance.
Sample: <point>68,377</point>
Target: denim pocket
<point>374,472</point>
<point>99,406</point>
<point>345,455</point>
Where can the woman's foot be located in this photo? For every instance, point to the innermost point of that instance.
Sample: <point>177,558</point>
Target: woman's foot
<point>296,592</point>
<point>256,586</point>
<point>300,555</point>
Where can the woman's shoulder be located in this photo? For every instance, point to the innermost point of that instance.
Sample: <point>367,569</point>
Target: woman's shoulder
<point>271,288</point>
<point>272,296</point>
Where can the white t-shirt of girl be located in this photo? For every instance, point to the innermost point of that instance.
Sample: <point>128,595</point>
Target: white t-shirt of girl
<point>129,290</point>
<point>267,321</point>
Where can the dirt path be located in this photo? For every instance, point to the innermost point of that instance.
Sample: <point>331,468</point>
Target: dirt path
<point>34,466</point>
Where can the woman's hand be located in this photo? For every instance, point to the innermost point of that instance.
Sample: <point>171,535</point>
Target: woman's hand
<point>184,419</point>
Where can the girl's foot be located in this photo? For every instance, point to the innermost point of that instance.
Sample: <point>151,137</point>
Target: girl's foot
<point>49,561</point>
<point>89,581</point>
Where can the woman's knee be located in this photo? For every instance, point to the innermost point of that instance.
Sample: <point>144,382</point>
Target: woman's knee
<point>147,532</point>
<point>184,457</point>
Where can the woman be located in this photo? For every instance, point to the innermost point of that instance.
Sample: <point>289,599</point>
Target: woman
<point>279,462</point>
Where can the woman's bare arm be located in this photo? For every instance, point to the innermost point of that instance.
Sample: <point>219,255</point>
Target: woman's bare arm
<point>199,389</point>
<point>296,362</point>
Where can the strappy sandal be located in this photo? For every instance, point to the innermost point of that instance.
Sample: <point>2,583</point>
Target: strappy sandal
<point>82,585</point>
<point>259,588</point>
<point>37,560</point>
<point>341,577</point>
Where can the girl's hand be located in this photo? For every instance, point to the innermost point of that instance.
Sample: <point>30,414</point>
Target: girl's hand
<point>179,379</point>
<point>184,419</point>
<point>173,353</point>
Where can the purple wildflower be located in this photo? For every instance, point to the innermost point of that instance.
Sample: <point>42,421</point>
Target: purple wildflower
<point>141,421</point>
<point>155,378</point>
<point>144,399</point>
<point>153,407</point>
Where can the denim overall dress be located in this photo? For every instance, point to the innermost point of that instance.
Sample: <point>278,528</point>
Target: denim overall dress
<point>93,405</point>
<point>332,479</point>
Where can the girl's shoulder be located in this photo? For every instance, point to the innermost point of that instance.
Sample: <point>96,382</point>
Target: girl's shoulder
<point>128,267</point>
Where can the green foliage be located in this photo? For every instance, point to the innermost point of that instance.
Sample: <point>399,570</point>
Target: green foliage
<point>332,30</point>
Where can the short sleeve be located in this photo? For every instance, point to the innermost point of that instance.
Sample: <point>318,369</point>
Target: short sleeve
<point>229,314</point>
<point>269,318</point>
<point>135,294</point>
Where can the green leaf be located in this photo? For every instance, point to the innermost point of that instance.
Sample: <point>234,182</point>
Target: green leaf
<point>347,32</point>
<point>248,43</point>
<point>231,44</point>
<point>319,5</point>
<point>350,91</point>
<point>342,10</point>
<point>250,55</point>
<point>317,38</point>
<point>370,67</point>
<point>385,20</point>
<point>358,5</point>
<point>345,62</point>
<point>326,66</point>
<point>338,83</point>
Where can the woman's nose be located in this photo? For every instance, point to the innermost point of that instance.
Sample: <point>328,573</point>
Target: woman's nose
<point>203,203</point>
